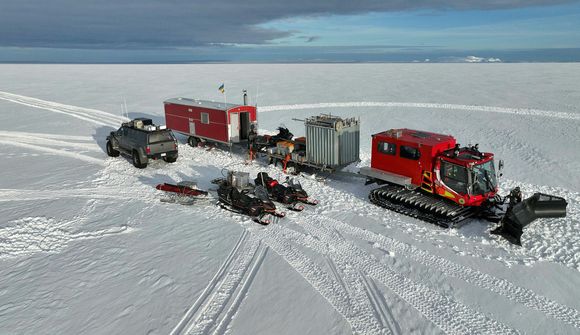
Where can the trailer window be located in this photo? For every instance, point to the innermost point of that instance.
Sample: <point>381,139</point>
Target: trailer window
<point>387,148</point>
<point>409,152</point>
<point>205,118</point>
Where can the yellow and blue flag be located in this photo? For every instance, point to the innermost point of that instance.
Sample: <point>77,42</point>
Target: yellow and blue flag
<point>222,88</point>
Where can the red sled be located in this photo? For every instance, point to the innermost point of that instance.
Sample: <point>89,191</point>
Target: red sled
<point>181,190</point>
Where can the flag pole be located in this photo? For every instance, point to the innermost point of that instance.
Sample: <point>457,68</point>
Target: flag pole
<point>225,96</point>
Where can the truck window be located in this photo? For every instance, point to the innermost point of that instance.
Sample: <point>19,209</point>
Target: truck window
<point>387,148</point>
<point>205,118</point>
<point>161,136</point>
<point>409,152</point>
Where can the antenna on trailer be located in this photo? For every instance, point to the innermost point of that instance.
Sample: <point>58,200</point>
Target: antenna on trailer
<point>256,99</point>
<point>126,110</point>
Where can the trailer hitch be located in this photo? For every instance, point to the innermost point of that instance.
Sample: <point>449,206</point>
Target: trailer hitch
<point>521,213</point>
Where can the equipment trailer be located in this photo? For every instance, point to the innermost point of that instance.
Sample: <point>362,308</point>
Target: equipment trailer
<point>330,144</point>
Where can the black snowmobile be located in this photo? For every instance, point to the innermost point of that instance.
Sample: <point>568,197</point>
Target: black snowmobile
<point>253,202</point>
<point>266,141</point>
<point>290,192</point>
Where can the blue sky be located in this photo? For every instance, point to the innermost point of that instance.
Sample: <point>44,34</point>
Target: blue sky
<point>536,27</point>
<point>275,31</point>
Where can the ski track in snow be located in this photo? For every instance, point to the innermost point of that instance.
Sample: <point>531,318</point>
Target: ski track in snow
<point>86,114</point>
<point>227,289</point>
<point>219,276</point>
<point>380,305</point>
<point>471,108</point>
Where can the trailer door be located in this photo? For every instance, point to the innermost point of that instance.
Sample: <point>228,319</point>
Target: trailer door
<point>244,125</point>
<point>192,128</point>
<point>235,126</point>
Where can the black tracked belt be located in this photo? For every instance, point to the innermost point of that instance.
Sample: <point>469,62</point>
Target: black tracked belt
<point>436,210</point>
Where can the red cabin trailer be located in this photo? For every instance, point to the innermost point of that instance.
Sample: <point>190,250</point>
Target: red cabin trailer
<point>212,121</point>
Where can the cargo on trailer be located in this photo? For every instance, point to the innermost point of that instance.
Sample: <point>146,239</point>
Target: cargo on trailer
<point>330,143</point>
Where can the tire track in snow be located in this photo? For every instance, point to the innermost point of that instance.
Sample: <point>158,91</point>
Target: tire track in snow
<point>380,305</point>
<point>62,153</point>
<point>241,295</point>
<point>448,314</point>
<point>471,108</point>
<point>51,140</point>
<point>91,115</point>
<point>351,303</point>
<point>219,276</point>
<point>353,283</point>
<point>90,193</point>
<point>499,286</point>
<point>232,283</point>
<point>74,138</point>
<point>359,316</point>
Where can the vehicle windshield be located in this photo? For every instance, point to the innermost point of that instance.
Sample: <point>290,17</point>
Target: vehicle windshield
<point>454,176</point>
<point>484,179</point>
<point>261,193</point>
<point>294,184</point>
<point>160,136</point>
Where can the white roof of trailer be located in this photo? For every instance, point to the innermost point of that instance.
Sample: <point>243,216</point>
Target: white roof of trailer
<point>201,103</point>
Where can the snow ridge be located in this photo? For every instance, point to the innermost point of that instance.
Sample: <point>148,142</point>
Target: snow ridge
<point>471,108</point>
<point>90,115</point>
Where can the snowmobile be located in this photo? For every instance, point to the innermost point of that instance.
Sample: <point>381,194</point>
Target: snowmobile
<point>289,193</point>
<point>185,192</point>
<point>262,142</point>
<point>237,195</point>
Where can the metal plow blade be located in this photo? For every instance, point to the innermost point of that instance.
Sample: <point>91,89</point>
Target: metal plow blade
<point>521,214</point>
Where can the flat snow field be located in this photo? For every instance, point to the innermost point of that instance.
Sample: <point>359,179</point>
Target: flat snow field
<point>87,247</point>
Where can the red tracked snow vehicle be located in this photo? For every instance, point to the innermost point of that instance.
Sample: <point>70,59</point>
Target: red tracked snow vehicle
<point>430,177</point>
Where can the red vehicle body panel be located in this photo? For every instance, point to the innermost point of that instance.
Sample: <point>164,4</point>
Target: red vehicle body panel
<point>431,148</point>
<point>430,145</point>
<point>185,116</point>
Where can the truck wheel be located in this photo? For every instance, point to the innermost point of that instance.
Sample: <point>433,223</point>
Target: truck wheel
<point>111,151</point>
<point>192,141</point>
<point>170,159</point>
<point>137,160</point>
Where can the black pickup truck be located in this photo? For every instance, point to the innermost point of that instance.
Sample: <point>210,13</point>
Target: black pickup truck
<point>142,140</point>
